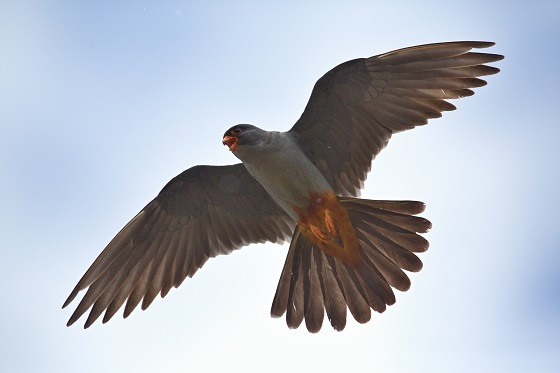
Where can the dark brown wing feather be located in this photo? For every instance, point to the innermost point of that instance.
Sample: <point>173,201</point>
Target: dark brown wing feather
<point>204,212</point>
<point>356,107</point>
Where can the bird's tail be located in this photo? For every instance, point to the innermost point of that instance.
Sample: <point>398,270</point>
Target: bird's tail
<point>313,282</point>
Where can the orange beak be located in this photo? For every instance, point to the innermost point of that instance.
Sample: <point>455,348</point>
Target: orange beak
<point>231,142</point>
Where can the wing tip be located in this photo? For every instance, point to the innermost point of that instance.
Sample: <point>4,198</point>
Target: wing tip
<point>70,298</point>
<point>481,44</point>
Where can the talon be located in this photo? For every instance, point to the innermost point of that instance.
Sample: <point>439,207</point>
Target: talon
<point>330,223</point>
<point>320,234</point>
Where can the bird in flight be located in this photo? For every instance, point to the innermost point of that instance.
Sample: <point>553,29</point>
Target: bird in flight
<point>299,186</point>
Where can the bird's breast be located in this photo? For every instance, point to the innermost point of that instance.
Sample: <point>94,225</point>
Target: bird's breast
<point>288,176</point>
<point>296,184</point>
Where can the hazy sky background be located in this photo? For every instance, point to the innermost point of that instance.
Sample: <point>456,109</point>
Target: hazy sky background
<point>102,102</point>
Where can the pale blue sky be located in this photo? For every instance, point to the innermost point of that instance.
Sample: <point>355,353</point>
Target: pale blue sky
<point>101,103</point>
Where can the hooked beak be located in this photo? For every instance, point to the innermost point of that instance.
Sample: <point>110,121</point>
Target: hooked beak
<point>231,142</point>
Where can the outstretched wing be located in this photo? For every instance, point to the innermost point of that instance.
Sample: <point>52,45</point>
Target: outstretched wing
<point>356,107</point>
<point>203,212</point>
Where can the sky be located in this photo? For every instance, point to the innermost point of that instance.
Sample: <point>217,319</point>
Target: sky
<point>101,103</point>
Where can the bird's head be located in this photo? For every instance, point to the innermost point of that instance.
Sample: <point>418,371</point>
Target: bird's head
<point>243,134</point>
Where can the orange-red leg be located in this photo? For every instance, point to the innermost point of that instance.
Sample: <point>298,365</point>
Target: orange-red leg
<point>327,224</point>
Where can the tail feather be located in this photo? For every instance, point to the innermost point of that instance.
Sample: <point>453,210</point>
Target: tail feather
<point>333,298</point>
<point>313,282</point>
<point>295,312</point>
<point>392,273</point>
<point>313,296</point>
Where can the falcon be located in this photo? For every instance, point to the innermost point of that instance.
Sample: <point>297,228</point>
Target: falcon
<point>299,186</point>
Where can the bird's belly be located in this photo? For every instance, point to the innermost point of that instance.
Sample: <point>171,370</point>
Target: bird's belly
<point>290,182</point>
<point>304,193</point>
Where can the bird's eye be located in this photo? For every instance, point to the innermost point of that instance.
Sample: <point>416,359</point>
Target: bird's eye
<point>236,131</point>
